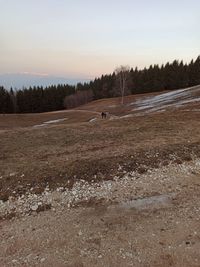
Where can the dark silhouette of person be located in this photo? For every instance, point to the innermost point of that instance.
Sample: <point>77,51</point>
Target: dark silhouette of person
<point>103,115</point>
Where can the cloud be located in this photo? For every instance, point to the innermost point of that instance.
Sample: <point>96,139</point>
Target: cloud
<point>34,74</point>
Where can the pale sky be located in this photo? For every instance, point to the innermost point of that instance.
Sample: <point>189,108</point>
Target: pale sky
<point>87,38</point>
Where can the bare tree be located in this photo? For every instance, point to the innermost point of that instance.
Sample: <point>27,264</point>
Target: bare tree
<point>122,74</point>
<point>81,97</point>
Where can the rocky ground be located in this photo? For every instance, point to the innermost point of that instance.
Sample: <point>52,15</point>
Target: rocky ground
<point>150,219</point>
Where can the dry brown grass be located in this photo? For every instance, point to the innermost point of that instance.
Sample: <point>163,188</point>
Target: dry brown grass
<point>61,154</point>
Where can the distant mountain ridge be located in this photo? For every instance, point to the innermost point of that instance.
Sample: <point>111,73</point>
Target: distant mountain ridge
<point>19,81</point>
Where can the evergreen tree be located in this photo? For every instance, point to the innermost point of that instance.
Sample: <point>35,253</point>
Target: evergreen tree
<point>170,76</point>
<point>6,105</point>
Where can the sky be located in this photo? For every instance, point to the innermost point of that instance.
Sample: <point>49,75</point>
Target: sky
<point>87,38</point>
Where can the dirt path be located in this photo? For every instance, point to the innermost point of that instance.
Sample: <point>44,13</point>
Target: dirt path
<point>140,220</point>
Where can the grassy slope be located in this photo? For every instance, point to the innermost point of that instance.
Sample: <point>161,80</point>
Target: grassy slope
<point>60,154</point>
<point>77,149</point>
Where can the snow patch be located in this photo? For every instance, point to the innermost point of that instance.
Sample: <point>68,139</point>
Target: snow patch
<point>93,120</point>
<point>127,116</point>
<point>167,100</point>
<point>49,122</point>
<point>54,121</point>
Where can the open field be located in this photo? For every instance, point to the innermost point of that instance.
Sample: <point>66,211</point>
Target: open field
<point>149,147</point>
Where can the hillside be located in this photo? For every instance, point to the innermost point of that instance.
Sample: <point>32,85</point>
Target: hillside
<point>184,100</point>
<point>76,189</point>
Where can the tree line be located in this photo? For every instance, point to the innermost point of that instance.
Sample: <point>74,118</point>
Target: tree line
<point>170,76</point>
<point>34,99</point>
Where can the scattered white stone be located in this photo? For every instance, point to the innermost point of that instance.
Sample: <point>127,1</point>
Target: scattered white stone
<point>80,233</point>
<point>133,182</point>
<point>13,174</point>
<point>34,207</point>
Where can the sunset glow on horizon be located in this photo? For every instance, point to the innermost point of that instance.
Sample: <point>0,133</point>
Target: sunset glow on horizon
<point>89,38</point>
